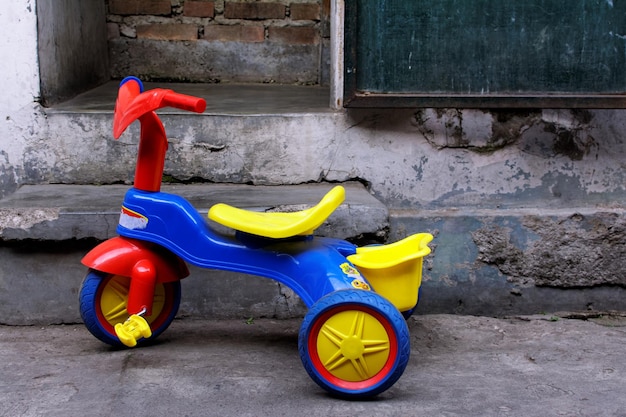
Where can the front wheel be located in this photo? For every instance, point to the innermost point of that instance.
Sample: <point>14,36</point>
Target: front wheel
<point>354,343</point>
<point>103,299</point>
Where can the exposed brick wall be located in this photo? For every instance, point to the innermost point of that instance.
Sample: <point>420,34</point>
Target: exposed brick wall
<point>168,31</point>
<point>298,25</point>
<point>254,11</point>
<point>137,7</point>
<point>195,8</point>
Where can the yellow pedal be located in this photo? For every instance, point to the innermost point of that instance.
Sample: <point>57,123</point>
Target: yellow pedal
<point>133,329</point>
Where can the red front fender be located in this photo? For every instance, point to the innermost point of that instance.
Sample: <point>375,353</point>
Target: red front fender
<point>120,255</point>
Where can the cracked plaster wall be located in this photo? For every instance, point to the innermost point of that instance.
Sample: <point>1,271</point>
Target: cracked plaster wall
<point>558,251</point>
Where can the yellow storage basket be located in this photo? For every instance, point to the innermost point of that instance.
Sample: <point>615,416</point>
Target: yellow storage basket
<point>395,270</point>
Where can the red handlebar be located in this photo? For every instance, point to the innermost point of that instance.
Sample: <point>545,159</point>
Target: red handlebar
<point>184,102</point>
<point>132,104</point>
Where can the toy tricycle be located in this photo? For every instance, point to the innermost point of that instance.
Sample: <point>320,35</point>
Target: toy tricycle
<point>353,342</point>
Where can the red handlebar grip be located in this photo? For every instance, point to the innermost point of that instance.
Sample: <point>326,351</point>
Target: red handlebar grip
<point>184,102</point>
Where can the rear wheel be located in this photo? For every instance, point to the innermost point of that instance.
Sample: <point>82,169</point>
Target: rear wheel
<point>103,299</point>
<point>354,343</point>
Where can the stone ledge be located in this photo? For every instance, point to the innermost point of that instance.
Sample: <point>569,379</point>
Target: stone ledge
<point>65,212</point>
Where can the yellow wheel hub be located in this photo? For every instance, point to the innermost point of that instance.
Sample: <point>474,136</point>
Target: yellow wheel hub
<point>353,345</point>
<point>114,299</point>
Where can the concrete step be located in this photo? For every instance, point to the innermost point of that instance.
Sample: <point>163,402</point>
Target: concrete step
<point>46,229</point>
<point>248,134</point>
<point>70,212</point>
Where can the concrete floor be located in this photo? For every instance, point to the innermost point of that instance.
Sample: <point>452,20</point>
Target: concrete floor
<point>460,366</point>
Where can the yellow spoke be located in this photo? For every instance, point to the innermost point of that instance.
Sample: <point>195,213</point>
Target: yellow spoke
<point>119,289</point>
<point>373,346</point>
<point>358,325</point>
<point>360,365</point>
<point>117,313</point>
<point>115,309</point>
<point>335,361</point>
<point>333,335</point>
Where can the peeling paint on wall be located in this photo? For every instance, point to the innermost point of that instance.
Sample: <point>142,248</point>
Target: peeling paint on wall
<point>551,132</point>
<point>562,132</point>
<point>574,251</point>
<point>477,130</point>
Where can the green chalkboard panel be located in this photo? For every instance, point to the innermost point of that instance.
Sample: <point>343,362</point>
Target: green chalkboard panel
<point>485,53</point>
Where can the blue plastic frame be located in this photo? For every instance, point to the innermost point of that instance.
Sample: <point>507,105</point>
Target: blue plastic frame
<point>311,266</point>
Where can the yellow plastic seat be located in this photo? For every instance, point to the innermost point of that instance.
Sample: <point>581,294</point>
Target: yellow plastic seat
<point>278,225</point>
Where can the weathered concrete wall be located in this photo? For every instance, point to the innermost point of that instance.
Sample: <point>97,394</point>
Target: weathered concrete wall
<point>558,249</point>
<point>20,114</point>
<point>72,47</point>
<point>412,159</point>
<point>504,159</point>
<point>39,284</point>
<point>517,261</point>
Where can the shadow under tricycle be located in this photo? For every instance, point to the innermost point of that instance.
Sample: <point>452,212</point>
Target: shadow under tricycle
<point>353,341</point>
